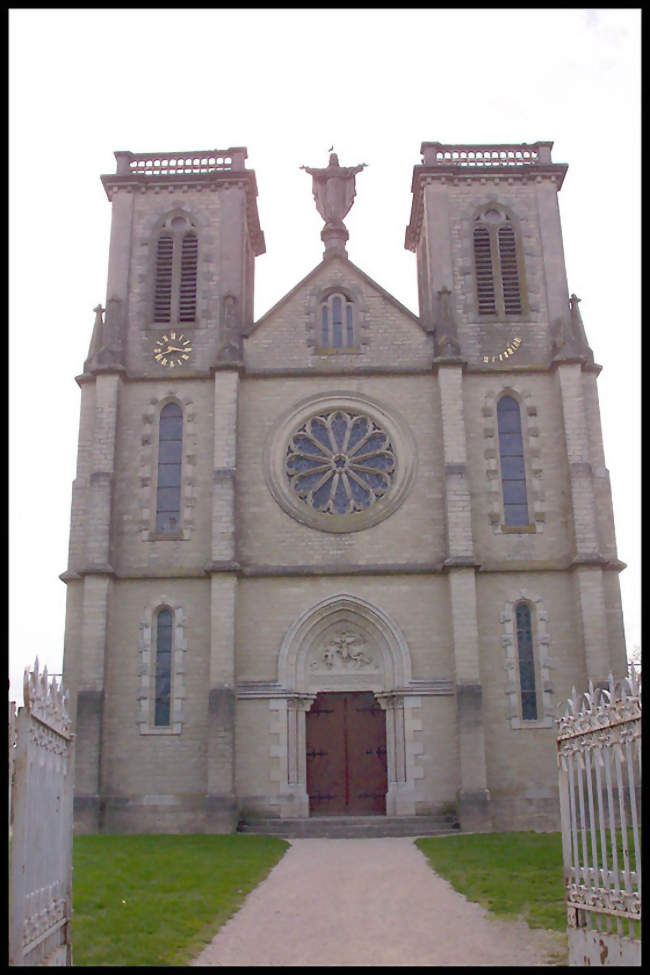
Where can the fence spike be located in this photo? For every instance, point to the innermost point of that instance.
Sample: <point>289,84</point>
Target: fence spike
<point>612,686</point>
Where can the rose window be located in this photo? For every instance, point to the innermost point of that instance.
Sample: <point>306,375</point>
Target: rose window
<point>340,462</point>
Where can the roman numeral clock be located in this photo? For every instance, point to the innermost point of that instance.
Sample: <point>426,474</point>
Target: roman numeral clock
<point>509,350</point>
<point>172,350</point>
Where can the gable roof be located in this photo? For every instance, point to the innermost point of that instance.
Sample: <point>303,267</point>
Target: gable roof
<point>366,277</point>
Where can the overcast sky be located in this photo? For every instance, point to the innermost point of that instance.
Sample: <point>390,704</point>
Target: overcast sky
<point>288,84</point>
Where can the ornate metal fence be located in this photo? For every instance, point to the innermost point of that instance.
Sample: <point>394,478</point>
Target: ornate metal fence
<point>41,767</point>
<point>599,762</point>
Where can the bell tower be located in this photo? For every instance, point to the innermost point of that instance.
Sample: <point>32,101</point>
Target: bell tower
<point>153,515</point>
<point>508,339</point>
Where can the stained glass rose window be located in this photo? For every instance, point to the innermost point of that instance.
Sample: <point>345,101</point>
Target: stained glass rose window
<point>340,462</point>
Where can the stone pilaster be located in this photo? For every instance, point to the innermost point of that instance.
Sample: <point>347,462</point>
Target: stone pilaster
<point>398,794</point>
<point>97,583</point>
<point>232,231</point>
<point>569,376</point>
<point>553,265</point>
<point>119,255</point>
<point>457,498</point>
<point>223,605</point>
<point>297,708</point>
<point>434,250</point>
<point>107,390</point>
<point>80,485</point>
<point>473,792</point>
<point>588,572</point>
<point>460,566</point>
<point>226,393</point>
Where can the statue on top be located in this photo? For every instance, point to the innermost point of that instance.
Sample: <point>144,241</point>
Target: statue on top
<point>334,192</point>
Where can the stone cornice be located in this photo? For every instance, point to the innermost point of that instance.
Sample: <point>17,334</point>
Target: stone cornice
<point>253,570</point>
<point>70,576</point>
<point>212,181</point>
<point>324,370</point>
<point>442,361</point>
<point>460,562</point>
<point>559,361</point>
<point>418,687</point>
<point>98,570</point>
<point>454,173</point>
<point>339,569</point>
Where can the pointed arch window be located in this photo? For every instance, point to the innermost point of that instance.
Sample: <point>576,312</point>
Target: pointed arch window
<point>526,660</point>
<point>513,467</point>
<point>163,669</point>
<point>170,456</point>
<point>176,259</point>
<point>498,265</point>
<point>337,324</point>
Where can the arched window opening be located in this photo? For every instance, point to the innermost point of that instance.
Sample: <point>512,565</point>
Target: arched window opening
<point>177,253</point>
<point>170,451</point>
<point>163,669</point>
<point>484,272</point>
<point>526,662</point>
<point>187,294</point>
<point>497,264</point>
<point>163,290</point>
<point>337,324</point>
<point>513,469</point>
<point>509,271</point>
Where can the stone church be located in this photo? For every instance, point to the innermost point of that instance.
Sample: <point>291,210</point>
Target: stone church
<point>344,560</point>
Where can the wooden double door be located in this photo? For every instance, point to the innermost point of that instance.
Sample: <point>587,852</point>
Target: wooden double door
<point>346,755</point>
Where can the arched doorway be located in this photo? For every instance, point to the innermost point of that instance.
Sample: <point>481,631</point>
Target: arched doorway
<point>345,664</point>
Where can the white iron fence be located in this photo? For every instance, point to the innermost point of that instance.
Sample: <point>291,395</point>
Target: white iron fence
<point>599,763</point>
<point>41,768</point>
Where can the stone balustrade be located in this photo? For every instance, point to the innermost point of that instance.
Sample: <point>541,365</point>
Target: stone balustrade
<point>479,156</point>
<point>197,162</point>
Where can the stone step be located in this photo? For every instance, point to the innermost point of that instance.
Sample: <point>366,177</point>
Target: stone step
<point>349,827</point>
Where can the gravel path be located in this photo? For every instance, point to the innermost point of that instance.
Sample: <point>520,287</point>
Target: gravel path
<point>368,902</point>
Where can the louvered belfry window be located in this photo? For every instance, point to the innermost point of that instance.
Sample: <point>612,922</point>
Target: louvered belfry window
<point>497,265</point>
<point>484,271</point>
<point>177,254</point>
<point>163,292</point>
<point>509,271</point>
<point>187,291</point>
<point>526,662</point>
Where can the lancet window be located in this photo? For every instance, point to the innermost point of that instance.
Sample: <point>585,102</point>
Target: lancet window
<point>337,323</point>
<point>512,461</point>
<point>526,659</point>
<point>170,457</point>
<point>163,668</point>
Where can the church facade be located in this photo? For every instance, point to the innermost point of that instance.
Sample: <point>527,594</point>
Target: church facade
<point>344,560</point>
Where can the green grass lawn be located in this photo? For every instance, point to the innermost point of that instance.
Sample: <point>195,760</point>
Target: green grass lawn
<point>157,900</point>
<point>510,874</point>
<point>513,874</point>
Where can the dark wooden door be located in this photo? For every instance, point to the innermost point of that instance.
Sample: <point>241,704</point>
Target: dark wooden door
<point>346,755</point>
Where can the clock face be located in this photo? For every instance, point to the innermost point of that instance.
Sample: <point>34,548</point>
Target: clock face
<point>172,350</point>
<point>507,352</point>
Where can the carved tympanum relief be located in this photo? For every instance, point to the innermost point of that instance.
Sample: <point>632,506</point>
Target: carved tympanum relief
<point>343,651</point>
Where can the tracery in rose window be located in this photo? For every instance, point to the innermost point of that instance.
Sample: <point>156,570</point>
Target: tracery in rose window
<point>340,462</point>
